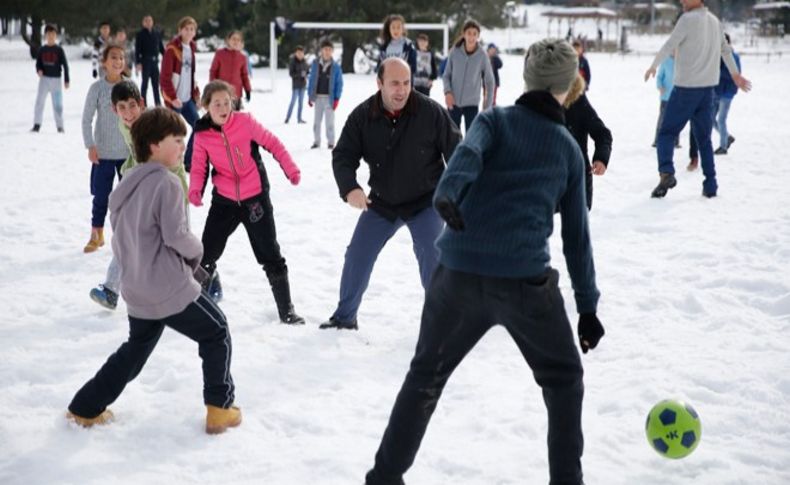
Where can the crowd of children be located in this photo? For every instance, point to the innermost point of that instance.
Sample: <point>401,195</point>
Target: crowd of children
<point>168,277</point>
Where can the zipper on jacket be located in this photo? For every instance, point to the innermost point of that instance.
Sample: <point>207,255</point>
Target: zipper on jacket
<point>232,167</point>
<point>238,155</point>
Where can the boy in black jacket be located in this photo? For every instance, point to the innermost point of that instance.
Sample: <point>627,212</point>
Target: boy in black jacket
<point>426,71</point>
<point>298,70</point>
<point>49,62</point>
<point>147,48</point>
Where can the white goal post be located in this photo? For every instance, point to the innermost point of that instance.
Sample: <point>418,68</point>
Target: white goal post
<point>345,26</point>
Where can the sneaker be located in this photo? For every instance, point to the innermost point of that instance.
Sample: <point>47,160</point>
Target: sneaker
<point>314,145</point>
<point>218,420</point>
<point>707,194</point>
<point>720,151</point>
<point>61,130</point>
<point>301,122</point>
<point>96,241</point>
<point>339,324</point>
<point>667,182</point>
<point>104,297</point>
<point>653,145</point>
<point>693,164</point>
<point>106,417</point>
<point>35,128</point>
<point>331,146</point>
<point>286,121</point>
<point>291,318</point>
<point>213,287</point>
<point>730,140</point>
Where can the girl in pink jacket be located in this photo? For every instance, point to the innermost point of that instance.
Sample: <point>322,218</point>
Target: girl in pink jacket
<point>225,137</point>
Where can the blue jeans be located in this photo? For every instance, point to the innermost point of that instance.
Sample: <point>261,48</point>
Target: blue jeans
<point>468,112</point>
<point>102,176</point>
<point>684,105</point>
<point>190,113</point>
<point>721,121</point>
<point>371,234</point>
<point>297,93</point>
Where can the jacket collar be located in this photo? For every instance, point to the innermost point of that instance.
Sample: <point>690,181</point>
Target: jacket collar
<point>377,109</point>
<point>205,123</point>
<point>542,102</point>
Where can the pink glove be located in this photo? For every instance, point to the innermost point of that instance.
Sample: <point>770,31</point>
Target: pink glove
<point>195,198</point>
<point>295,178</point>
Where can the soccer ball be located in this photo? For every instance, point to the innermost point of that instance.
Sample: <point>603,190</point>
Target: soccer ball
<point>673,428</point>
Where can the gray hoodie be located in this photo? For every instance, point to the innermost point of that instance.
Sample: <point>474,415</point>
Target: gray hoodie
<point>464,75</point>
<point>152,243</point>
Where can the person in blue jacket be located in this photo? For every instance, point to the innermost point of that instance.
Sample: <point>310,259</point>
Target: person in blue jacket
<point>725,91</point>
<point>664,84</point>
<point>324,88</point>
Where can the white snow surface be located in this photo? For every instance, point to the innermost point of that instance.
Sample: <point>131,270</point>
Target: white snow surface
<point>695,300</point>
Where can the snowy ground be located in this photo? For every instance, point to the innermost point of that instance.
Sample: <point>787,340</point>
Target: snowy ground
<point>695,299</point>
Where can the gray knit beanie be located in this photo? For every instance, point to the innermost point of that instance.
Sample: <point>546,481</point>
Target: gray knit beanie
<point>550,65</point>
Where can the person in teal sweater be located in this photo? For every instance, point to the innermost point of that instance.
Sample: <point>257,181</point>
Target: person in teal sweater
<point>498,196</point>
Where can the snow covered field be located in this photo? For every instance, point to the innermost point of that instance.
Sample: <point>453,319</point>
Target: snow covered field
<point>695,300</point>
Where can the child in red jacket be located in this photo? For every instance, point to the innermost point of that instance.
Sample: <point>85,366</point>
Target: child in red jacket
<point>241,190</point>
<point>230,65</point>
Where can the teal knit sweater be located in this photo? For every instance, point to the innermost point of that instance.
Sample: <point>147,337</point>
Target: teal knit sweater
<point>508,176</point>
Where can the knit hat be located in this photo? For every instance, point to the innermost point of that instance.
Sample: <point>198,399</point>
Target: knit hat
<point>550,65</point>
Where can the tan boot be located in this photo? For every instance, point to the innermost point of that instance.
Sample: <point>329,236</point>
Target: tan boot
<point>106,417</point>
<point>218,419</point>
<point>96,241</point>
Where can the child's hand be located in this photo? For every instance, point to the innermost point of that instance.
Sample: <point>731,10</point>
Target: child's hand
<point>295,178</point>
<point>195,198</point>
<point>449,100</point>
<point>40,73</point>
<point>93,155</point>
<point>66,85</point>
<point>598,168</point>
<point>334,104</point>
<point>177,104</point>
<point>309,103</point>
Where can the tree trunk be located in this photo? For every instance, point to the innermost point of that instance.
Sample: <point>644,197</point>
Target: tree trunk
<point>34,40</point>
<point>349,49</point>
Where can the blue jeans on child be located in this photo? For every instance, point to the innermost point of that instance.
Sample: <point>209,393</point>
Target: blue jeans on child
<point>721,121</point>
<point>371,234</point>
<point>296,94</point>
<point>684,105</point>
<point>102,176</point>
<point>190,113</point>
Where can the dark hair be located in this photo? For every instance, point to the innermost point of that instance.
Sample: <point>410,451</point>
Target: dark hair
<point>234,32</point>
<point>385,29</point>
<point>216,86</point>
<point>299,48</point>
<point>327,43</point>
<point>124,91</point>
<point>153,126</point>
<point>105,53</point>
<point>104,22</point>
<point>50,28</point>
<point>423,36</point>
<point>469,24</point>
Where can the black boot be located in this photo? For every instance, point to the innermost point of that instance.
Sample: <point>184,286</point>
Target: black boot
<point>212,284</point>
<point>282,297</point>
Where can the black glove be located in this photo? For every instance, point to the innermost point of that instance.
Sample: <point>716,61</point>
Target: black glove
<point>450,213</point>
<point>95,74</point>
<point>247,95</point>
<point>590,331</point>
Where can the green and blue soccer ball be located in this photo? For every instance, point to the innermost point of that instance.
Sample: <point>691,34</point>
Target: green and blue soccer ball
<point>673,429</point>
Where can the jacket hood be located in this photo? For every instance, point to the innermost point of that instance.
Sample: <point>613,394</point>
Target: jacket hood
<point>132,180</point>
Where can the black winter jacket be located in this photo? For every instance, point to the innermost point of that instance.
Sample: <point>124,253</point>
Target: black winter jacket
<point>406,156</point>
<point>583,122</point>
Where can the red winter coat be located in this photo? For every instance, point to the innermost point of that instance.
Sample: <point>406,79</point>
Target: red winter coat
<point>236,175</point>
<point>171,71</point>
<point>231,66</point>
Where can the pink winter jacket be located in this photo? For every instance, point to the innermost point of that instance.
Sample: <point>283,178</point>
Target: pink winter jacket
<point>237,177</point>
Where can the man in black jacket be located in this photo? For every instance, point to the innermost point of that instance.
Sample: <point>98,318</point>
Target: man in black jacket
<point>147,47</point>
<point>406,139</point>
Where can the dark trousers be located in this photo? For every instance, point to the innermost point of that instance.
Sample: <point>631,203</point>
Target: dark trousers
<point>467,112</point>
<point>696,105</point>
<point>102,177</point>
<point>151,72</point>
<point>693,147</point>
<point>662,109</point>
<point>370,235</point>
<point>459,309</point>
<point>190,113</point>
<point>257,216</point>
<point>201,321</point>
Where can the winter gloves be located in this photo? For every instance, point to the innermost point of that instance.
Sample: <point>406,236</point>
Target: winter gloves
<point>590,331</point>
<point>450,213</point>
<point>295,177</point>
<point>334,104</point>
<point>195,198</point>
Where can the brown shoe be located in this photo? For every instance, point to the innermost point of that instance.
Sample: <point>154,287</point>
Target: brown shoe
<point>96,241</point>
<point>106,417</point>
<point>218,420</point>
<point>693,164</point>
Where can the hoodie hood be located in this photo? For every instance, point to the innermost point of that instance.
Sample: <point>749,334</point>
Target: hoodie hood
<point>131,181</point>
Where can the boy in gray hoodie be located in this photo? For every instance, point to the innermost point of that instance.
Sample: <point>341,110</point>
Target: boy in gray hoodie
<point>157,255</point>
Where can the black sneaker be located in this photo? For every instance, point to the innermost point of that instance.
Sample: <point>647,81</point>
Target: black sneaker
<point>35,128</point>
<point>667,182</point>
<point>707,194</point>
<point>331,146</point>
<point>301,122</point>
<point>730,140</point>
<point>104,297</point>
<point>291,318</point>
<point>61,130</point>
<point>339,324</point>
<point>720,151</point>
<point>314,145</point>
<point>213,287</point>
